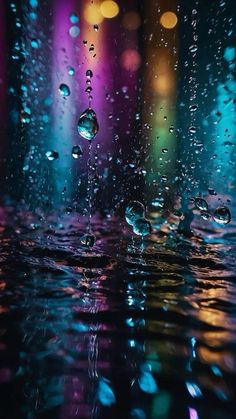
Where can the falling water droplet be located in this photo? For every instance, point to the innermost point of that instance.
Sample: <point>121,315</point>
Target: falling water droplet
<point>87,124</point>
<point>201,204</point>
<point>74,31</point>
<point>222,215</point>
<point>64,90</point>
<point>142,227</point>
<point>74,18</point>
<point>76,151</point>
<point>71,71</point>
<point>52,155</point>
<point>134,211</point>
<point>88,240</point>
<point>89,74</point>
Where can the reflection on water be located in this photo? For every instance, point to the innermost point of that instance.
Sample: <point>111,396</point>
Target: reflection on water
<point>128,329</point>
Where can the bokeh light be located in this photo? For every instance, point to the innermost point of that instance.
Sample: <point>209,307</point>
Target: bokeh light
<point>164,84</point>
<point>168,20</point>
<point>92,14</point>
<point>130,60</point>
<point>109,9</point>
<point>131,21</point>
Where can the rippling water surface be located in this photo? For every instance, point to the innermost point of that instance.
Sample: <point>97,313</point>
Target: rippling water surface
<point>129,329</point>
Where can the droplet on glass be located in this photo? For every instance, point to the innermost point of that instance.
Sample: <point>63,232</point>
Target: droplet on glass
<point>222,215</point>
<point>87,124</point>
<point>71,71</point>
<point>52,155</point>
<point>76,151</point>
<point>134,211</point>
<point>96,27</point>
<point>34,43</point>
<point>64,90</point>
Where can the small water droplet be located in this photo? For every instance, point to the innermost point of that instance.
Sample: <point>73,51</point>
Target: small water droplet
<point>64,90</point>
<point>52,155</point>
<point>96,27</point>
<point>88,240</point>
<point>165,150</point>
<point>74,18</point>
<point>74,31</point>
<point>205,215</point>
<point>71,71</point>
<point>89,74</point>
<point>76,151</point>
<point>222,215</point>
<point>193,130</point>
<point>193,108</point>
<point>201,204</point>
<point>87,124</point>
<point>193,48</point>
<point>34,43</point>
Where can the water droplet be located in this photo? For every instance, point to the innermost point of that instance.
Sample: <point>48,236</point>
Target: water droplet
<point>76,151</point>
<point>142,227</point>
<point>74,31</point>
<point>171,129</point>
<point>64,89</point>
<point>105,393</point>
<point>205,215</point>
<point>87,124</point>
<point>34,43</point>
<point>165,150</point>
<point>222,215</point>
<point>193,108</point>
<point>71,71</point>
<point>88,240</point>
<point>96,27</point>
<point>201,204</point>
<point>147,383</point>
<point>134,211</point>
<point>89,74</point>
<point>193,48</point>
<point>52,155</point>
<point>74,18</point>
<point>193,130</point>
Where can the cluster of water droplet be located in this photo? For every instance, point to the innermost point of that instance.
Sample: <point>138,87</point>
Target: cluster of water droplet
<point>135,216</point>
<point>221,214</point>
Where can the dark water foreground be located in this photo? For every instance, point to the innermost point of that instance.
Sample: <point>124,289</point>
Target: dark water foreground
<point>126,330</point>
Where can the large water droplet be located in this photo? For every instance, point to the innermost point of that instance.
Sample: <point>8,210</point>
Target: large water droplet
<point>76,151</point>
<point>201,204</point>
<point>52,155</point>
<point>87,124</point>
<point>64,89</point>
<point>142,227</point>
<point>222,215</point>
<point>134,211</point>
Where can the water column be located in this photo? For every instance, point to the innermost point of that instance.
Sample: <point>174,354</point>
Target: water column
<point>159,129</point>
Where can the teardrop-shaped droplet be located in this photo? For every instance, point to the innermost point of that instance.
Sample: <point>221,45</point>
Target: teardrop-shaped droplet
<point>87,124</point>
